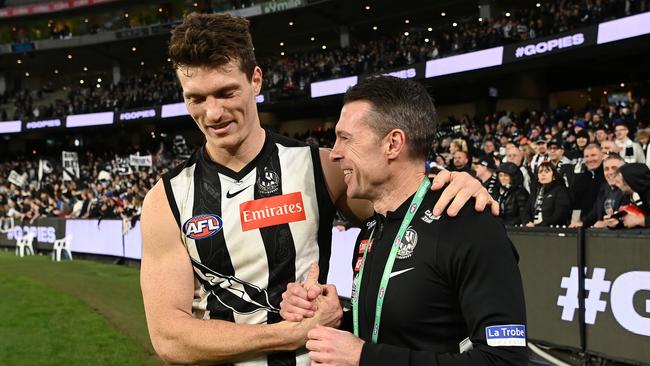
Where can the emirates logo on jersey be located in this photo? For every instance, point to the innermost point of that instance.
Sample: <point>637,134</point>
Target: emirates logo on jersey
<point>202,226</point>
<point>272,211</point>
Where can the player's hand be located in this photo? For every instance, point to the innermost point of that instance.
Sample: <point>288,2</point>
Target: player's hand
<point>329,312</point>
<point>333,347</point>
<point>298,300</point>
<point>461,188</point>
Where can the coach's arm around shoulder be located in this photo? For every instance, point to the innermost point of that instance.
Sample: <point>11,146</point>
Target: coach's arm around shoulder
<point>167,283</point>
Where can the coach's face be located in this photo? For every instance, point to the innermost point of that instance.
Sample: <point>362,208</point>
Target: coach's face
<point>221,100</point>
<point>360,151</point>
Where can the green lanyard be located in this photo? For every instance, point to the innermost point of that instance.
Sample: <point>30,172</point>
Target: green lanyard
<point>413,207</point>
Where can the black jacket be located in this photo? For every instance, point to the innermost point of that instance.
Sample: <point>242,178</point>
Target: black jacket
<point>453,278</point>
<point>512,203</point>
<point>608,197</point>
<point>556,205</point>
<point>637,176</point>
<point>584,187</point>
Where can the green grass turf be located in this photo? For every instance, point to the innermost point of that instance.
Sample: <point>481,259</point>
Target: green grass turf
<point>71,313</point>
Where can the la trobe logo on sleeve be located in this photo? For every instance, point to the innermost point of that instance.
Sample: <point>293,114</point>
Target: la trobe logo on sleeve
<point>202,226</point>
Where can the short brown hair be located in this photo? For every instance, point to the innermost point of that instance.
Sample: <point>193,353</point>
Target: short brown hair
<point>212,40</point>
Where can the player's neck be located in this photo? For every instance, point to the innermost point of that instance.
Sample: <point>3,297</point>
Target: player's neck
<point>400,186</point>
<point>237,157</point>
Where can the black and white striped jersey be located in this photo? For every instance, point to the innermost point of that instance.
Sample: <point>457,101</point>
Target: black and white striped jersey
<point>251,232</point>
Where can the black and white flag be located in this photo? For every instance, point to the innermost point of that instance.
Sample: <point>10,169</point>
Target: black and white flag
<point>70,165</point>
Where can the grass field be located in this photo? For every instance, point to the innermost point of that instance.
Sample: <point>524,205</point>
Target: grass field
<point>71,313</point>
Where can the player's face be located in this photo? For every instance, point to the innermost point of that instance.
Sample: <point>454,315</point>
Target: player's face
<point>221,100</point>
<point>359,151</point>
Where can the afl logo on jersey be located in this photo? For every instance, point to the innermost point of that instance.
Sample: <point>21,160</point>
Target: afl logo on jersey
<point>202,226</point>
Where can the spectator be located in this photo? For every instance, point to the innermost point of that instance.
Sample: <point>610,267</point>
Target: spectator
<point>549,203</point>
<point>635,178</point>
<point>512,195</point>
<point>644,140</point>
<point>541,156</point>
<point>586,179</point>
<point>630,151</point>
<point>609,198</point>
<point>461,162</point>
<point>486,173</point>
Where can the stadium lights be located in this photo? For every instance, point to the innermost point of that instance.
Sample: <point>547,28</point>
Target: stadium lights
<point>312,39</point>
<point>291,24</point>
<point>282,53</point>
<point>141,63</point>
<point>56,71</point>
<point>430,29</point>
<point>605,92</point>
<point>19,61</point>
<point>507,14</point>
<point>76,142</point>
<point>406,34</point>
<point>85,68</point>
<point>98,86</point>
<point>538,5</point>
<point>281,44</point>
<point>81,81</point>
<point>374,27</point>
<point>622,85</point>
<point>454,24</point>
<point>367,7</point>
<point>169,59</point>
<point>134,48</point>
<point>324,47</point>
<point>196,5</point>
<point>99,80</point>
<point>443,14</point>
<point>126,15</point>
<point>426,40</point>
<point>406,21</point>
<point>160,10</point>
<point>480,19</point>
<point>27,74</point>
<point>86,20</point>
<point>69,56</point>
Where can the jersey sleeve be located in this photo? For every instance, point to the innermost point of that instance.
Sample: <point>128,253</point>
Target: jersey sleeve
<point>480,263</point>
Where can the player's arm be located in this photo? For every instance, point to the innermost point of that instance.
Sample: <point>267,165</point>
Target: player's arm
<point>458,189</point>
<point>167,283</point>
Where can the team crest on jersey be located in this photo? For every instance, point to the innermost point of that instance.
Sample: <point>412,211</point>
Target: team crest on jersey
<point>202,226</point>
<point>407,245</point>
<point>429,217</point>
<point>268,183</point>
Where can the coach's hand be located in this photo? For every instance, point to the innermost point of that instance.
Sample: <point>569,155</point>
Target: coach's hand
<point>333,347</point>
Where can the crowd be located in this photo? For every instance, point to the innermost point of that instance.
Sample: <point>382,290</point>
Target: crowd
<point>144,89</point>
<point>101,191</point>
<point>555,168</point>
<point>558,168</point>
<point>289,76</point>
<point>292,74</point>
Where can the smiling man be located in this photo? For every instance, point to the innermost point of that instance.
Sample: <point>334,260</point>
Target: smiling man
<point>228,229</point>
<point>428,290</point>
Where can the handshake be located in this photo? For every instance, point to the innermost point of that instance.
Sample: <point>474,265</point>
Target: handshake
<point>318,305</point>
